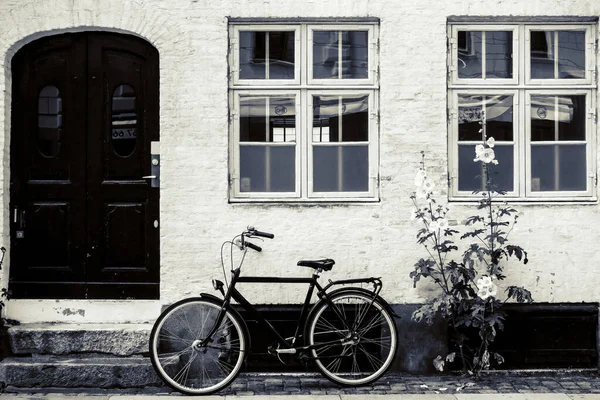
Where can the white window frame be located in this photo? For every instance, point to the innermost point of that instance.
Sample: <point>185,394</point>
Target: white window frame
<point>235,51</point>
<point>235,149</point>
<point>590,175</point>
<point>524,88</point>
<point>454,59</point>
<point>454,142</point>
<point>371,143</point>
<point>372,55</point>
<point>590,66</point>
<point>304,87</point>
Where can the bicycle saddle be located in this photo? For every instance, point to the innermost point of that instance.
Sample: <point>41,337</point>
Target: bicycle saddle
<point>325,264</point>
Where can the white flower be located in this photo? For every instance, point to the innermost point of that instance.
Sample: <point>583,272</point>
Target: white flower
<point>442,223</point>
<point>420,177</point>
<point>421,193</point>
<point>428,185</point>
<point>434,226</point>
<point>486,288</point>
<point>484,281</point>
<point>479,149</point>
<point>491,142</point>
<point>487,156</point>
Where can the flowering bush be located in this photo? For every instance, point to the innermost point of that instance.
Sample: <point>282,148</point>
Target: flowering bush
<point>468,286</point>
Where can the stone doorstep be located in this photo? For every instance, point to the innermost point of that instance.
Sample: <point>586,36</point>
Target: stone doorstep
<point>115,339</point>
<point>69,372</point>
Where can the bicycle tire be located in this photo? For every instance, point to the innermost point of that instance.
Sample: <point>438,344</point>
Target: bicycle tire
<point>366,351</point>
<point>187,367</point>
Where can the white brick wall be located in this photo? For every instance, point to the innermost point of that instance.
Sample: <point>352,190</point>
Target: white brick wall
<point>364,239</point>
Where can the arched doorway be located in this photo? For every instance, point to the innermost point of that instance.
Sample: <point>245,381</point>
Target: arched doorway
<point>84,223</point>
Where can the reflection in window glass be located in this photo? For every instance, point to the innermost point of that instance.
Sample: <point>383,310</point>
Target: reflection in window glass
<point>267,55</point>
<point>268,123</point>
<point>124,121</point>
<point>558,118</point>
<point>344,120</point>
<point>557,54</point>
<point>493,46</point>
<point>498,113</point>
<point>558,167</point>
<point>340,168</point>
<point>340,55</point>
<point>267,119</point>
<point>49,121</point>
<point>340,119</point>
<point>267,168</point>
<point>471,174</point>
<point>498,54</point>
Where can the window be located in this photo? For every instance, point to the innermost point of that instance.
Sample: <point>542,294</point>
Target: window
<point>304,111</point>
<point>532,87</point>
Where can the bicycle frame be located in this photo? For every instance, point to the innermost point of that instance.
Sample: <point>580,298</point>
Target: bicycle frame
<point>233,293</point>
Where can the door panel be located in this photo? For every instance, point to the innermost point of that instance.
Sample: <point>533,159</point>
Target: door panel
<point>122,206</point>
<point>82,217</point>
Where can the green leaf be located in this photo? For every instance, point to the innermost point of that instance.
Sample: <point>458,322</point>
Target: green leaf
<point>520,294</point>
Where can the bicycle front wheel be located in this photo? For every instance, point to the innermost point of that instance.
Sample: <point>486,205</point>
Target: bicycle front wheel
<point>179,355</point>
<point>355,338</point>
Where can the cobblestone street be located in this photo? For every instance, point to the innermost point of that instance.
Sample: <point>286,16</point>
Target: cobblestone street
<point>494,385</point>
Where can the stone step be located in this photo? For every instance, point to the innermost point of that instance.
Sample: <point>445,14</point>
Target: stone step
<point>60,339</point>
<point>73,372</point>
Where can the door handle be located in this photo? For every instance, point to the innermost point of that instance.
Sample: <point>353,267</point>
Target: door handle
<point>149,177</point>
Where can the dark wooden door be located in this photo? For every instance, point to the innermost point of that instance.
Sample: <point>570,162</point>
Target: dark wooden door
<point>84,223</point>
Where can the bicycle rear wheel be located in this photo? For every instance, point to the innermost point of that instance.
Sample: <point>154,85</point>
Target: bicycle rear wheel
<point>179,358</point>
<point>360,336</point>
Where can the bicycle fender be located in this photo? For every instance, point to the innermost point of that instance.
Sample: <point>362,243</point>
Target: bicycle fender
<point>211,296</point>
<point>385,304</point>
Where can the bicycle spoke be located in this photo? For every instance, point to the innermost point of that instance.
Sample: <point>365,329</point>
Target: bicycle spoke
<point>372,359</point>
<point>184,371</point>
<point>174,357</point>
<point>375,322</point>
<point>328,327</point>
<point>383,341</point>
<point>171,336</point>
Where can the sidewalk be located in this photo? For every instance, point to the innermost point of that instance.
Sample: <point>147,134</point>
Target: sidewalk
<point>549,385</point>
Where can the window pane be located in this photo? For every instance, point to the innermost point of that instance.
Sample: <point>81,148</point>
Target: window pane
<point>252,55</point>
<point>498,110</point>
<point>558,118</point>
<point>340,168</point>
<point>267,168</point>
<point>571,54</point>
<point>340,55</point>
<point>267,55</point>
<point>470,173</point>
<point>499,117</point>
<point>267,119</point>
<point>124,121</point>
<point>281,55</point>
<point>498,54</point>
<point>470,114</point>
<point>558,167</point>
<point>562,60</point>
<point>469,54</point>
<point>354,124</point>
<point>49,121</point>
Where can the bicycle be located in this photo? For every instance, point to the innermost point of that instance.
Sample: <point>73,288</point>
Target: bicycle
<point>198,345</point>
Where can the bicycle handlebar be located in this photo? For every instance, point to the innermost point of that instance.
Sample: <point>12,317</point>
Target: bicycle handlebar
<point>253,246</point>
<point>263,234</point>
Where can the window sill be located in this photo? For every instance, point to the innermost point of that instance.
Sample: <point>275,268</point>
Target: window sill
<point>530,201</point>
<point>306,202</point>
